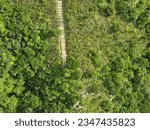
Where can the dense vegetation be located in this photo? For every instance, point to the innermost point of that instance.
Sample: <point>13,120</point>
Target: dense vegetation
<point>108,65</point>
<point>109,41</point>
<point>31,77</point>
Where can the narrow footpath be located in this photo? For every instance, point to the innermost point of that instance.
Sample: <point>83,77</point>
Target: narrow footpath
<point>62,41</point>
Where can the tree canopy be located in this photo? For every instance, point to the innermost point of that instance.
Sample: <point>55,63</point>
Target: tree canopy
<point>108,65</point>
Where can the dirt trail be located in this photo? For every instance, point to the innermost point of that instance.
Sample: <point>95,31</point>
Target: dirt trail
<point>62,36</point>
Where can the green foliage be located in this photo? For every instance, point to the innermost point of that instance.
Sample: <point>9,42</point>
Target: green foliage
<point>108,62</point>
<point>106,7</point>
<point>29,102</point>
<point>28,80</point>
<point>137,11</point>
<point>112,52</point>
<point>128,10</point>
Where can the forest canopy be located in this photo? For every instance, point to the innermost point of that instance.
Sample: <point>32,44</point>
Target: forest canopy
<point>108,56</point>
